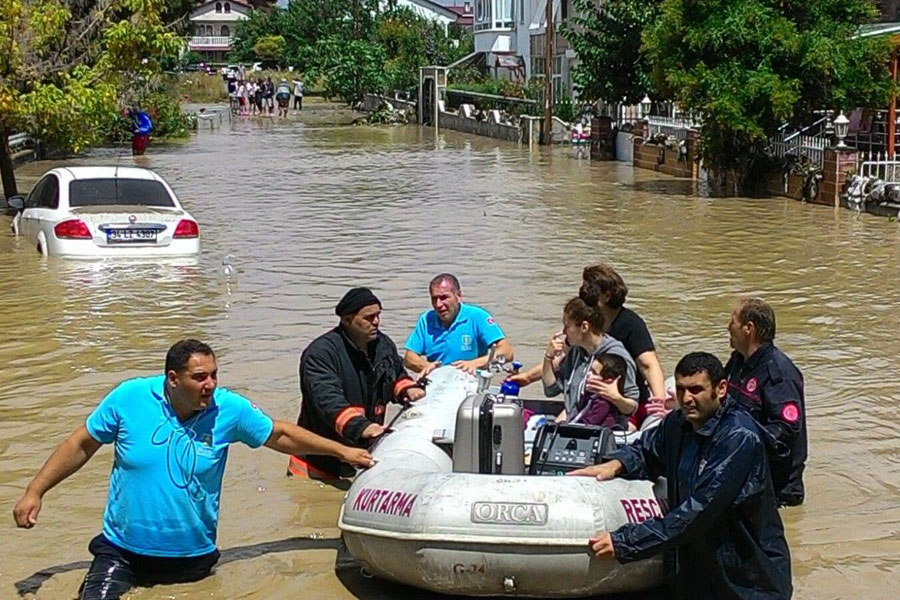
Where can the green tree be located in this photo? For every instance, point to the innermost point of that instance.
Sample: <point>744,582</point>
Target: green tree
<point>411,41</point>
<point>607,38</point>
<point>749,66</point>
<point>257,25</point>
<point>348,69</point>
<point>353,46</point>
<point>269,50</point>
<point>67,64</point>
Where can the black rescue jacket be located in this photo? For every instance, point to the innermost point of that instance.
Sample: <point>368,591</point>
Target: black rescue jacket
<point>722,534</point>
<point>770,388</point>
<point>345,390</point>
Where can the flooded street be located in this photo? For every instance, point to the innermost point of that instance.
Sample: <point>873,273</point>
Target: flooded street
<point>308,209</point>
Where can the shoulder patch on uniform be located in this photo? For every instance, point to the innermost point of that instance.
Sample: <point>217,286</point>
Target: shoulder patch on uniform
<point>491,321</point>
<point>790,413</point>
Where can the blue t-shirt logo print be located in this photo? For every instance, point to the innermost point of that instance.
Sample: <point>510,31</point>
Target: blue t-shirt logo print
<point>181,457</point>
<point>466,342</point>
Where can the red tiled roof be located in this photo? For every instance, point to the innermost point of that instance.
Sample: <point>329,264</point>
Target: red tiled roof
<point>462,17</point>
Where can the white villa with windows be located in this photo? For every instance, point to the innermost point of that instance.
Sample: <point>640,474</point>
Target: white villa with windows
<point>511,35</point>
<point>213,25</point>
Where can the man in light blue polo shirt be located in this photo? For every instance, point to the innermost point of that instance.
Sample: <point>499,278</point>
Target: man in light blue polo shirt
<point>170,435</point>
<point>452,332</point>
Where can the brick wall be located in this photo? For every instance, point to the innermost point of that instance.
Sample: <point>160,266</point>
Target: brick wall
<point>837,163</point>
<point>662,159</point>
<point>774,185</point>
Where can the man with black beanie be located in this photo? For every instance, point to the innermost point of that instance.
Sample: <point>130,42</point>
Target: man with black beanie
<point>347,376</point>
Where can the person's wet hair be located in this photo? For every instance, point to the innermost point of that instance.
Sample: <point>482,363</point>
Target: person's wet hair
<point>447,278</point>
<point>602,279</point>
<point>577,311</point>
<point>761,314</point>
<point>180,353</point>
<point>701,362</point>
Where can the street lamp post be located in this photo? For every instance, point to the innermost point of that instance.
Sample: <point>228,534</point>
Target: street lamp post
<point>841,125</point>
<point>645,114</point>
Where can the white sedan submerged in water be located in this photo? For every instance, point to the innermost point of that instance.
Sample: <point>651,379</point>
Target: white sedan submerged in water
<point>99,212</point>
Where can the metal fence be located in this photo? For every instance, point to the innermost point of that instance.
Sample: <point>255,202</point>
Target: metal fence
<point>878,165</point>
<point>811,147</point>
<point>676,127</point>
<point>18,141</point>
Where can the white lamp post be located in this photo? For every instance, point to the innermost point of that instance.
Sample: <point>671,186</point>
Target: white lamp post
<point>841,125</point>
<point>645,107</point>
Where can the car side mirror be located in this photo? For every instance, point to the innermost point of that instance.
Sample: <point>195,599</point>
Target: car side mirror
<point>16,202</point>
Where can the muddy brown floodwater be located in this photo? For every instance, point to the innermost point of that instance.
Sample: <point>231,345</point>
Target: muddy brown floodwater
<point>308,208</point>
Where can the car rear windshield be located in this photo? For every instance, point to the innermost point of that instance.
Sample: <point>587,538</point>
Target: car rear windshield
<point>109,192</point>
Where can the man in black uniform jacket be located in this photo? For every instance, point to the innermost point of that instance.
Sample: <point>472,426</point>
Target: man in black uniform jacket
<point>347,376</point>
<point>722,536</point>
<point>768,385</point>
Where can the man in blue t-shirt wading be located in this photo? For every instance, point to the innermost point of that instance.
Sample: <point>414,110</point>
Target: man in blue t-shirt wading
<point>170,435</point>
<point>453,333</point>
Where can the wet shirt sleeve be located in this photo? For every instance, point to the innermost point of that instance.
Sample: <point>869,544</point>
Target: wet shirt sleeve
<point>103,423</point>
<point>631,389</point>
<point>416,340</point>
<point>641,340</point>
<point>252,426</point>
<point>488,331</point>
<point>630,329</point>
<point>644,459</point>
<point>732,470</point>
<point>562,373</point>
<point>783,405</point>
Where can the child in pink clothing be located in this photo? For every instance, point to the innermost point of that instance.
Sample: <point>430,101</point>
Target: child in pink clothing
<point>594,409</point>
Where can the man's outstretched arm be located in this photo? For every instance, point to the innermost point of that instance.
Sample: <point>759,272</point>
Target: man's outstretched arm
<point>293,439</point>
<point>68,457</point>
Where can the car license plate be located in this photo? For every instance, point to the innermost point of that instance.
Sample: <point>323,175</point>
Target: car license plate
<point>130,236</point>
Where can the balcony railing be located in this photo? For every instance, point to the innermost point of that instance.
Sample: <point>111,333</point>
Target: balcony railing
<point>209,41</point>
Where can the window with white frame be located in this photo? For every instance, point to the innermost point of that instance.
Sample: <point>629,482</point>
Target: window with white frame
<point>503,14</point>
<point>494,14</point>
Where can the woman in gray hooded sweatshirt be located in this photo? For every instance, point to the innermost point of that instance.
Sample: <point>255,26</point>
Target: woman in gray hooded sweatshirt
<point>569,354</point>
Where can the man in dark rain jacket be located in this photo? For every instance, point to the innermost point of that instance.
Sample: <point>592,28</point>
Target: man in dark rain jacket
<point>767,384</point>
<point>723,536</point>
<point>347,376</point>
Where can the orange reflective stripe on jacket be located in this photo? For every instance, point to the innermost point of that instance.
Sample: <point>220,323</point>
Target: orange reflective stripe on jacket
<point>299,467</point>
<point>401,385</point>
<point>346,415</point>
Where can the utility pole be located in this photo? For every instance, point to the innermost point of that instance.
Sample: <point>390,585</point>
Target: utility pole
<point>548,76</point>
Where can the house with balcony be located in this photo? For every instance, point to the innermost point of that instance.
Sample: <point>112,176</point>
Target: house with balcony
<point>511,34</point>
<point>213,24</point>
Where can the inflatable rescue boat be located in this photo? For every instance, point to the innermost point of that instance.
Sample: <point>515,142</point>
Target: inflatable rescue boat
<point>413,520</point>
